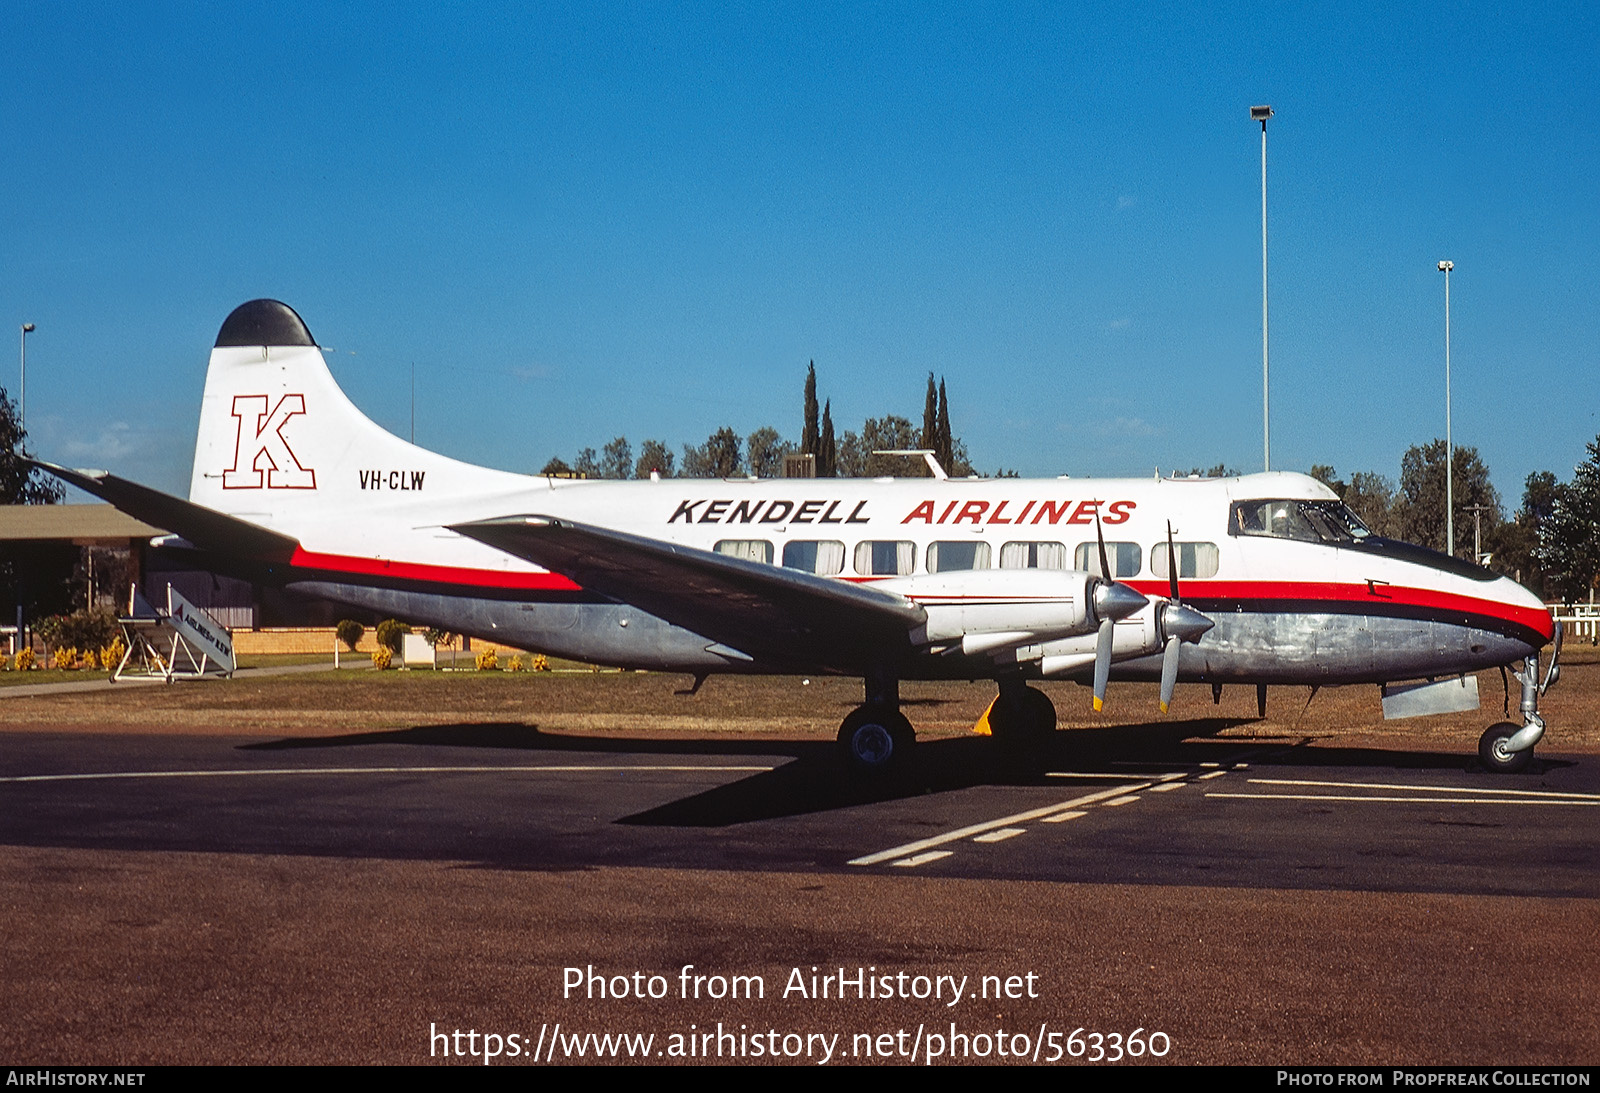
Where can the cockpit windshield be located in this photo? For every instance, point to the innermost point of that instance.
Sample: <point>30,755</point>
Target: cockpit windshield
<point>1308,521</point>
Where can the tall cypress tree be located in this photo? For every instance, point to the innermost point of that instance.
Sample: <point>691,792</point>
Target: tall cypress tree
<point>944,447</point>
<point>808,431</point>
<point>930,418</point>
<point>825,444</point>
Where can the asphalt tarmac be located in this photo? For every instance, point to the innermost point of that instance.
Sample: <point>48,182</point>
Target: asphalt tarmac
<point>361,897</point>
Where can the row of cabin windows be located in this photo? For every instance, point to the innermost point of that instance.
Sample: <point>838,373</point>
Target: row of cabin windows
<point>897,557</point>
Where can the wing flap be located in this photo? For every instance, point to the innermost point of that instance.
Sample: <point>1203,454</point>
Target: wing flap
<point>762,609</point>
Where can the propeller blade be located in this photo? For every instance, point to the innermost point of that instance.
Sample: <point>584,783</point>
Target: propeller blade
<point>1100,535</point>
<point>1169,672</point>
<point>1102,663</point>
<point>1172,567</point>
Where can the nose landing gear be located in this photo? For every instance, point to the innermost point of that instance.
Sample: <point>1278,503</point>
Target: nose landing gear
<point>1507,748</point>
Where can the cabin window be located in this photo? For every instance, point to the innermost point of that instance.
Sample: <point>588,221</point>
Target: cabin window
<point>755,550</point>
<point>1033,556</point>
<point>824,557</point>
<point>961,554</point>
<point>1125,558</point>
<point>885,558</point>
<point>1194,559</point>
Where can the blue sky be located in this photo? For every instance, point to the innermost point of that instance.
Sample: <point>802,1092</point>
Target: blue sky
<point>580,221</point>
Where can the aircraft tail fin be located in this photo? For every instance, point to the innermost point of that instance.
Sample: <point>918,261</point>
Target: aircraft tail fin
<point>280,444</point>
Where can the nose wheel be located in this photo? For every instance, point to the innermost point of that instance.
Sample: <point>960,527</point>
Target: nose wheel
<point>1495,753</point>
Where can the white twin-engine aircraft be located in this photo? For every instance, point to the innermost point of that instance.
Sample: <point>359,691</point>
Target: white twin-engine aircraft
<point>1262,579</point>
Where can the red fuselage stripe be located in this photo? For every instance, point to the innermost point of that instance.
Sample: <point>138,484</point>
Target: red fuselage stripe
<point>433,574</point>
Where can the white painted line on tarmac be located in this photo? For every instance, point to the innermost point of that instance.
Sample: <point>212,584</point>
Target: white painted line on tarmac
<point>922,859</point>
<point>1167,777</point>
<point>563,769</point>
<point>1063,817</point>
<point>1166,787</point>
<point>1121,801</point>
<point>1399,800</point>
<point>1428,789</point>
<point>990,825</point>
<point>1213,774</point>
<point>999,836</point>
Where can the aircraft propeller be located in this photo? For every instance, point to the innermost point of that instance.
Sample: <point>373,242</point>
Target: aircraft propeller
<point>1178,623</point>
<point>1113,600</point>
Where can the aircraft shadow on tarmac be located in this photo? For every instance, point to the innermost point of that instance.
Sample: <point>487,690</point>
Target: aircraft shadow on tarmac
<point>816,781</point>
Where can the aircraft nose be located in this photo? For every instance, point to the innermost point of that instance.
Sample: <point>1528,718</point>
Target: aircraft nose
<point>1115,600</point>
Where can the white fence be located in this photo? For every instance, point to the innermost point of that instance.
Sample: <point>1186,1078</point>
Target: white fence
<point>1578,620</point>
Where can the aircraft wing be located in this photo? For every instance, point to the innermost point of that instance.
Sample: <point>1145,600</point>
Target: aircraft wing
<point>204,528</point>
<point>756,609</point>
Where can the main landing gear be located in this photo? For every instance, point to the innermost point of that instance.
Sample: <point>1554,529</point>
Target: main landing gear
<point>876,738</point>
<point>1022,719</point>
<point>1506,747</point>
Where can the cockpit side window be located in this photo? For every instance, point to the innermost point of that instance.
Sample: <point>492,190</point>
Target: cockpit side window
<point>1327,522</point>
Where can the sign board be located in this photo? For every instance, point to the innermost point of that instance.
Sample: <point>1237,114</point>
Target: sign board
<point>200,630</point>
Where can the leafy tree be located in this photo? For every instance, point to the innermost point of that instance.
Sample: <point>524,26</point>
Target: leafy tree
<point>1371,497</point>
<point>21,484</point>
<point>653,456</point>
<point>810,431</point>
<point>1421,504</point>
<point>1569,538</point>
<point>887,433</point>
<point>349,632</point>
<point>1222,470</point>
<point>616,461</point>
<point>587,465</point>
<point>764,452</point>
<point>557,466</point>
<point>1516,547</point>
<point>719,457</point>
<point>391,634</point>
<point>827,449</point>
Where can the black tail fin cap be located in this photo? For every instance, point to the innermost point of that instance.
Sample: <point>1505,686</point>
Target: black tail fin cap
<point>263,322</point>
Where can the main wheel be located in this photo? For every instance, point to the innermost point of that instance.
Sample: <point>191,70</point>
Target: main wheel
<point>1023,717</point>
<point>1494,754</point>
<point>875,740</point>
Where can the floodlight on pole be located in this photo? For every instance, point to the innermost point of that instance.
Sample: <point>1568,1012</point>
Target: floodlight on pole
<point>1261,114</point>
<point>1445,266</point>
<point>22,393</point>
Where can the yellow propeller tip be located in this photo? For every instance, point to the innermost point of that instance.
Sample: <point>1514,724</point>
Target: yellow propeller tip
<point>1097,705</point>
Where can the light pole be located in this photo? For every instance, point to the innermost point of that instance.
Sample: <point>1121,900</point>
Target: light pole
<point>22,396</point>
<point>1261,114</point>
<point>1445,267</point>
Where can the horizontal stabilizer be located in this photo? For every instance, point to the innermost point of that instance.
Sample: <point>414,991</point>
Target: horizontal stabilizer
<point>752,606</point>
<point>206,528</point>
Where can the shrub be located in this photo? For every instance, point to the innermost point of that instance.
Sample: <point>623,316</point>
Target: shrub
<point>381,658</point>
<point>516,664</point>
<point>487,661</point>
<point>112,655</point>
<point>349,631</point>
<point>391,635</point>
<point>541,663</point>
<point>25,660</point>
<point>65,657</point>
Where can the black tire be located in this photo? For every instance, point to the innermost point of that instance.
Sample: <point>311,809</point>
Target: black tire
<point>1023,718</point>
<point>1492,750</point>
<point>875,740</point>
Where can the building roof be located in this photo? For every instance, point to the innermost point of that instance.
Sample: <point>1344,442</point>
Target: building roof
<point>84,525</point>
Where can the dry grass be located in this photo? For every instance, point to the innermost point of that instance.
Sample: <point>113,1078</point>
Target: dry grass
<point>645,704</point>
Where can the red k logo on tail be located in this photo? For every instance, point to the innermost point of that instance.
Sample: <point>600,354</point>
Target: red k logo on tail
<point>261,456</point>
